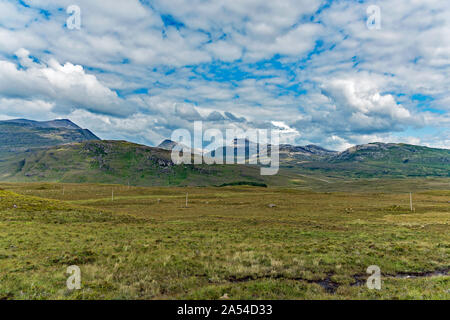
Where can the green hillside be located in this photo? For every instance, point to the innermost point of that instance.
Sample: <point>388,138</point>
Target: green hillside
<point>124,162</point>
<point>384,160</point>
<point>60,151</point>
<point>120,162</point>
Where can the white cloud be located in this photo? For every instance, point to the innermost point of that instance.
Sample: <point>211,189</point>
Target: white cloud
<point>287,134</point>
<point>225,51</point>
<point>12,16</point>
<point>333,80</point>
<point>362,103</point>
<point>68,86</point>
<point>19,108</point>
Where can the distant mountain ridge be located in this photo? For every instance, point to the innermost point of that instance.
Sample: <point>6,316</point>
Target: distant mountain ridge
<point>21,134</point>
<point>58,123</point>
<point>384,160</point>
<point>118,162</point>
<point>309,149</point>
<point>286,151</point>
<point>167,144</point>
<point>60,150</point>
<point>362,161</point>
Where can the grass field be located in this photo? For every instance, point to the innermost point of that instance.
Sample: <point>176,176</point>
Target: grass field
<point>145,244</point>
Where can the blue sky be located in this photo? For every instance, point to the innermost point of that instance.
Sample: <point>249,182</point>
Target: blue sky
<point>137,70</point>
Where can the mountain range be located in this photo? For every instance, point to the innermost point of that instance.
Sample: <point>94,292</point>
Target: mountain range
<point>61,151</point>
<point>21,134</point>
<point>369,160</point>
<point>255,151</point>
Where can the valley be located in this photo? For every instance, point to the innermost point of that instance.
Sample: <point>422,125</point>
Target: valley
<point>238,242</point>
<point>141,227</point>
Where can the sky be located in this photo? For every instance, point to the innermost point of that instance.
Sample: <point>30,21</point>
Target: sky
<point>315,70</point>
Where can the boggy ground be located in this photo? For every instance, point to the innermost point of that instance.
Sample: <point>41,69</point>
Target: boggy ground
<point>245,242</point>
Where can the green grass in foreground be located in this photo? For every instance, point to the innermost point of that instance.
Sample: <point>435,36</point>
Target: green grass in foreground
<point>228,241</point>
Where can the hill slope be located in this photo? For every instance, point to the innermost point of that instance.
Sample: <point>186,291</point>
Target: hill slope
<point>382,160</point>
<point>287,152</point>
<point>61,151</point>
<point>363,161</point>
<point>119,162</point>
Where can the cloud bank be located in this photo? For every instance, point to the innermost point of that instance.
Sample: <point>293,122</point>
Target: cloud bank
<point>137,70</point>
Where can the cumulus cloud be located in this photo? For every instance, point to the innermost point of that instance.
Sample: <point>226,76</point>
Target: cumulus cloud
<point>361,106</point>
<point>311,65</point>
<point>19,108</point>
<point>67,86</point>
